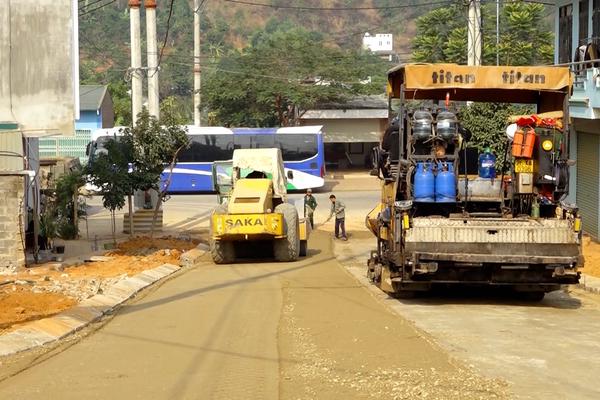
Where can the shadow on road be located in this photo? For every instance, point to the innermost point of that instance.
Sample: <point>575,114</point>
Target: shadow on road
<point>491,296</point>
<point>195,292</point>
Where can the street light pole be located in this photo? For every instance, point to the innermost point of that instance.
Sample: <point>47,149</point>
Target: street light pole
<point>474,33</point>
<point>136,59</point>
<point>152,50</point>
<point>197,71</point>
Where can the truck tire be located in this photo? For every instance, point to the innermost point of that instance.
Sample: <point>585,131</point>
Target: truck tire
<point>288,248</point>
<point>303,248</point>
<point>222,252</point>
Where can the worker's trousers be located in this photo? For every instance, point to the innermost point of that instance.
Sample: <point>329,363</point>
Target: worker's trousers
<point>340,224</point>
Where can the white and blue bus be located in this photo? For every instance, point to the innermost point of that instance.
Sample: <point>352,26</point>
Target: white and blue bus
<point>301,148</point>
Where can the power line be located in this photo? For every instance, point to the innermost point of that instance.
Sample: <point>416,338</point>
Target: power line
<point>200,6</point>
<point>162,49</point>
<point>97,8</point>
<point>248,3</point>
<point>83,7</point>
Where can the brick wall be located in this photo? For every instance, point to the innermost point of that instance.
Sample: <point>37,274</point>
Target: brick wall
<point>11,222</point>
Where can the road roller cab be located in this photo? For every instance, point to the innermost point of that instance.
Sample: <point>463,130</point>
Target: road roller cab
<point>254,207</point>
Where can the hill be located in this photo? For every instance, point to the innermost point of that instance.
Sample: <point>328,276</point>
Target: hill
<point>227,26</point>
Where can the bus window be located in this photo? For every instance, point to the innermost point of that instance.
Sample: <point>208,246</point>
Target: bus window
<point>254,141</point>
<point>207,148</point>
<point>297,147</point>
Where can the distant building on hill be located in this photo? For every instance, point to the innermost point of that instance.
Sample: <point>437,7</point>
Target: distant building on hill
<point>381,44</point>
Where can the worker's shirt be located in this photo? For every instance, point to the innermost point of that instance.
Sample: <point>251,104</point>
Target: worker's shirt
<point>311,202</point>
<point>337,209</point>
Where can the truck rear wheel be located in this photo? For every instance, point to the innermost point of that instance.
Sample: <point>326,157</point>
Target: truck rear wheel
<point>288,248</point>
<point>222,252</point>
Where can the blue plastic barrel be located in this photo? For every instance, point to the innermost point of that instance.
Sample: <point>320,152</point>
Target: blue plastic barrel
<point>424,183</point>
<point>487,164</point>
<point>445,183</point>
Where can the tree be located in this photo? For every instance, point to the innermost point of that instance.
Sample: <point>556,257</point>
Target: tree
<point>526,40</point>
<point>526,37</point>
<point>284,72</point>
<point>154,145</point>
<point>110,172</point>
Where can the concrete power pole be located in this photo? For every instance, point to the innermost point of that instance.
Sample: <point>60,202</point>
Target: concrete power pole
<point>197,75</point>
<point>474,33</point>
<point>136,59</point>
<point>152,49</point>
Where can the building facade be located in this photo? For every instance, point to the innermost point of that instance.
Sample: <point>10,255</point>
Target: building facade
<point>350,130</point>
<point>577,40</point>
<point>96,111</point>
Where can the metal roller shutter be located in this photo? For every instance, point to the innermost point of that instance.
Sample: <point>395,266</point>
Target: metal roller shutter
<point>588,180</point>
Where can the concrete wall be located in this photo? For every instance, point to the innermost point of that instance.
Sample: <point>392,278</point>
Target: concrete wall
<point>38,64</point>
<point>12,234</point>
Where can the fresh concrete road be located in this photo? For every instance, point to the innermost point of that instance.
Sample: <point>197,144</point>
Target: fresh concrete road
<point>254,330</point>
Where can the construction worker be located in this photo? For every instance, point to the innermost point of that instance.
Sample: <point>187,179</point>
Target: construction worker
<point>310,204</point>
<point>337,209</point>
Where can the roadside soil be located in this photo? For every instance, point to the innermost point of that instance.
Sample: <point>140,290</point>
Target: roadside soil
<point>47,289</point>
<point>591,252</point>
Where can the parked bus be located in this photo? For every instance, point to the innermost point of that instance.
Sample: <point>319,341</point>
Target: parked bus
<point>301,147</point>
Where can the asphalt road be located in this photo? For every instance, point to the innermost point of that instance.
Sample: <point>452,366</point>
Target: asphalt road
<point>254,330</point>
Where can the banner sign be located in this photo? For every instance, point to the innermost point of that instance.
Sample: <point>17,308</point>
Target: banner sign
<point>453,76</point>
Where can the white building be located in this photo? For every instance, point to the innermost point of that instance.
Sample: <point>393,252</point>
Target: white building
<point>381,43</point>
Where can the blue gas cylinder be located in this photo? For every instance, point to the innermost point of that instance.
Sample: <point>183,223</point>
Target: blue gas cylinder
<point>445,183</point>
<point>424,183</point>
<point>487,164</point>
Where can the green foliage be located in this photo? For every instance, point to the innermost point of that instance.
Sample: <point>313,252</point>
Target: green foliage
<point>119,92</point>
<point>284,72</point>
<point>66,207</point>
<point>526,37</point>
<point>109,171</point>
<point>487,123</point>
<point>153,145</point>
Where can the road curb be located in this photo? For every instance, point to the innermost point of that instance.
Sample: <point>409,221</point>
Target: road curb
<point>191,257</point>
<point>589,284</point>
<point>47,330</point>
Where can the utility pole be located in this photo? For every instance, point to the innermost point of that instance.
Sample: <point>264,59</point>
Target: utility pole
<point>136,59</point>
<point>197,70</point>
<point>474,33</point>
<point>497,32</point>
<point>152,50</point>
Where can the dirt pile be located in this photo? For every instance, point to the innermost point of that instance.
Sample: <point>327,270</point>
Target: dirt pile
<point>591,252</point>
<point>47,289</point>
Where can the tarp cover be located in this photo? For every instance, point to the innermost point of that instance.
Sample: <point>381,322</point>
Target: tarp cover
<point>522,84</point>
<point>448,76</point>
<point>268,161</point>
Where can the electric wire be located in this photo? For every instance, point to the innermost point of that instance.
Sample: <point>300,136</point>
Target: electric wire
<point>309,8</point>
<point>96,9</point>
<point>162,49</point>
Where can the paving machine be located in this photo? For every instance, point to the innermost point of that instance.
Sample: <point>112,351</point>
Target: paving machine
<point>253,207</point>
<point>441,221</point>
